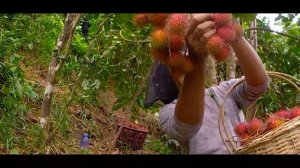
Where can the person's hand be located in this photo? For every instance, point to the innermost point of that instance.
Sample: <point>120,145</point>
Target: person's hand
<point>198,31</point>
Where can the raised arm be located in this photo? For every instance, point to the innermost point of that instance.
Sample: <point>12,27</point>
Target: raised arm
<point>252,66</point>
<point>190,105</point>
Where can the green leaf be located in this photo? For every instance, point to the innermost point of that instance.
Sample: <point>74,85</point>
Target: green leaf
<point>85,84</point>
<point>29,92</point>
<point>291,16</point>
<point>278,17</point>
<point>119,103</point>
<point>96,84</point>
<point>30,46</point>
<point>13,68</point>
<point>295,50</point>
<point>284,19</point>
<point>245,16</point>
<point>15,58</point>
<point>5,89</point>
<point>18,88</point>
<point>123,18</point>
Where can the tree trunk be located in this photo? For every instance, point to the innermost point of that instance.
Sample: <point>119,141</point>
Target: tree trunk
<point>253,35</point>
<point>211,73</point>
<point>56,62</point>
<point>231,66</point>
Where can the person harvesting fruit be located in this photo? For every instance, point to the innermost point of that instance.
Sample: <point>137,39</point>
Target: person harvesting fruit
<point>192,117</point>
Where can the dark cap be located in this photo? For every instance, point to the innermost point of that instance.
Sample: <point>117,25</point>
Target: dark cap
<point>160,86</point>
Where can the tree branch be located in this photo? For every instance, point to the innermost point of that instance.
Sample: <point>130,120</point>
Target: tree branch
<point>92,42</point>
<point>269,30</point>
<point>139,41</point>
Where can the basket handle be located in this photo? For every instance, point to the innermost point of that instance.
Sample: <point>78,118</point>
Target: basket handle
<point>234,147</point>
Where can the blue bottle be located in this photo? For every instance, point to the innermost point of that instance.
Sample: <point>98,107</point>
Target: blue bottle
<point>84,143</point>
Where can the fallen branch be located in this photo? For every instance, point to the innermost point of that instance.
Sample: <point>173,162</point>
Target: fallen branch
<point>114,142</point>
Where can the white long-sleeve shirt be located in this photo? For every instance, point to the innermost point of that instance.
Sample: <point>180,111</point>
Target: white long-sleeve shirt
<point>204,138</point>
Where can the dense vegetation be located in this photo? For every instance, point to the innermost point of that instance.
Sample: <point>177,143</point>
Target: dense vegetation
<point>113,59</point>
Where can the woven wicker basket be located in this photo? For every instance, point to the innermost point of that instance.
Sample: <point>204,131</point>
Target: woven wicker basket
<point>284,139</point>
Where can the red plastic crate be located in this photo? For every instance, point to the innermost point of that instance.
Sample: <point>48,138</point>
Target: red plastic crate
<point>131,135</point>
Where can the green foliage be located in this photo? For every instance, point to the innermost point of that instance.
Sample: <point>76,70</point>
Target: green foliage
<point>14,89</point>
<point>157,146</point>
<point>113,58</point>
<point>281,54</point>
<point>32,32</point>
<point>163,145</point>
<point>245,16</point>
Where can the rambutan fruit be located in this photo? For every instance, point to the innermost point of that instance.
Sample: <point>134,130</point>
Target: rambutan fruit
<point>284,114</point>
<point>227,33</point>
<point>188,65</point>
<point>274,121</point>
<point>159,39</point>
<point>176,23</point>
<point>177,42</point>
<point>241,128</point>
<point>221,19</point>
<point>255,125</point>
<point>218,48</point>
<point>160,54</point>
<point>176,59</point>
<point>140,20</point>
<point>225,52</point>
<point>214,44</point>
<point>158,20</point>
<point>295,112</point>
<point>176,72</point>
<point>245,138</point>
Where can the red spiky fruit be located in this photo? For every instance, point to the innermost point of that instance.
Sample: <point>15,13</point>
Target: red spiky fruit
<point>188,65</point>
<point>255,125</point>
<point>177,42</point>
<point>176,59</point>
<point>158,20</point>
<point>274,121</point>
<point>284,114</point>
<point>176,72</point>
<point>227,33</point>
<point>160,54</point>
<point>176,23</point>
<point>159,39</point>
<point>241,128</point>
<point>245,138</point>
<point>225,52</point>
<point>221,19</point>
<point>295,112</point>
<point>218,48</point>
<point>140,20</point>
<point>214,44</point>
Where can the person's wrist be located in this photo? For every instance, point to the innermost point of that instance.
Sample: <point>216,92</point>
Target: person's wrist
<point>239,41</point>
<point>197,58</point>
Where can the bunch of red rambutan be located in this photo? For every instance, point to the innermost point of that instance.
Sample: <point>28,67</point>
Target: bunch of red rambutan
<point>168,44</point>
<point>227,32</point>
<point>254,127</point>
